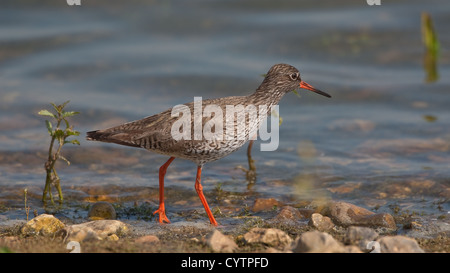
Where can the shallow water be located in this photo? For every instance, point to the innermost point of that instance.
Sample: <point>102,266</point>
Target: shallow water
<point>382,141</point>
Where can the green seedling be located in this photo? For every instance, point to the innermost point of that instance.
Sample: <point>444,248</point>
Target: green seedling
<point>431,43</point>
<point>60,136</point>
<point>27,208</point>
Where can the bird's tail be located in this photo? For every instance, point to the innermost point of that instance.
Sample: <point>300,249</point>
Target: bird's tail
<point>94,135</point>
<point>111,137</point>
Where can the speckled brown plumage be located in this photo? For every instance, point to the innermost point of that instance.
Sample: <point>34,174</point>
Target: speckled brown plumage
<point>154,132</point>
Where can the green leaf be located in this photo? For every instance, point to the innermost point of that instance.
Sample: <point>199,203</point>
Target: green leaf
<point>56,107</point>
<point>429,35</point>
<point>280,119</point>
<point>60,107</point>
<point>64,104</point>
<point>49,127</point>
<point>431,42</point>
<point>67,123</point>
<point>69,113</point>
<point>46,113</point>
<point>71,132</point>
<point>72,142</point>
<point>296,93</point>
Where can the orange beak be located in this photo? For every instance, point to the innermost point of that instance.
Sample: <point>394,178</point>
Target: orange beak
<point>305,85</point>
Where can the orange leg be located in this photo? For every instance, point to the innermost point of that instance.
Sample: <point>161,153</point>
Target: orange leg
<point>162,210</point>
<point>199,189</point>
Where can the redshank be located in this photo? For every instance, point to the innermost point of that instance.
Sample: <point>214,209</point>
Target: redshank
<point>154,132</point>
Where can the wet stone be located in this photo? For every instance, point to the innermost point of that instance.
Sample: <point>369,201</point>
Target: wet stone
<point>413,225</point>
<point>102,211</point>
<point>262,204</point>
<point>399,244</point>
<point>320,222</point>
<point>317,242</point>
<point>44,224</point>
<point>288,213</point>
<point>427,226</point>
<point>219,242</point>
<point>268,236</point>
<point>360,236</point>
<point>445,193</point>
<point>94,230</point>
<point>346,214</point>
<point>306,213</point>
<point>84,234</point>
<point>379,220</point>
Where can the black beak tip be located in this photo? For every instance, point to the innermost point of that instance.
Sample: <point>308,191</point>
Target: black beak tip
<point>322,93</point>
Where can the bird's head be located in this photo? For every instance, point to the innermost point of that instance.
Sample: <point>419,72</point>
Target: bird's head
<point>284,78</point>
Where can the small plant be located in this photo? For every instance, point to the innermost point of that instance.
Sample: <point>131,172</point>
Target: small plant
<point>219,192</point>
<point>59,136</point>
<point>27,208</point>
<point>431,43</point>
<point>217,212</point>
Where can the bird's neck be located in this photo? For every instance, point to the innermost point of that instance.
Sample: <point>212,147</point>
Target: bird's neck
<point>263,95</point>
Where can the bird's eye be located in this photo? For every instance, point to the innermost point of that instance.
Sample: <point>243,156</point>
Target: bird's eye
<point>294,76</point>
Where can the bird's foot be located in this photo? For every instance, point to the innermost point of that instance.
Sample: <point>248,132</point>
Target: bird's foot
<point>162,215</point>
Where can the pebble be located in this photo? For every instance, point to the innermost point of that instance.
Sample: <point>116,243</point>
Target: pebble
<point>94,230</point>
<point>414,225</point>
<point>346,214</point>
<point>399,244</point>
<point>262,204</point>
<point>102,211</point>
<point>269,236</point>
<point>44,224</point>
<point>147,239</point>
<point>85,234</point>
<point>320,222</point>
<point>445,193</point>
<point>288,213</point>
<point>427,228</point>
<point>360,236</point>
<point>306,213</point>
<point>317,242</point>
<point>219,242</point>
